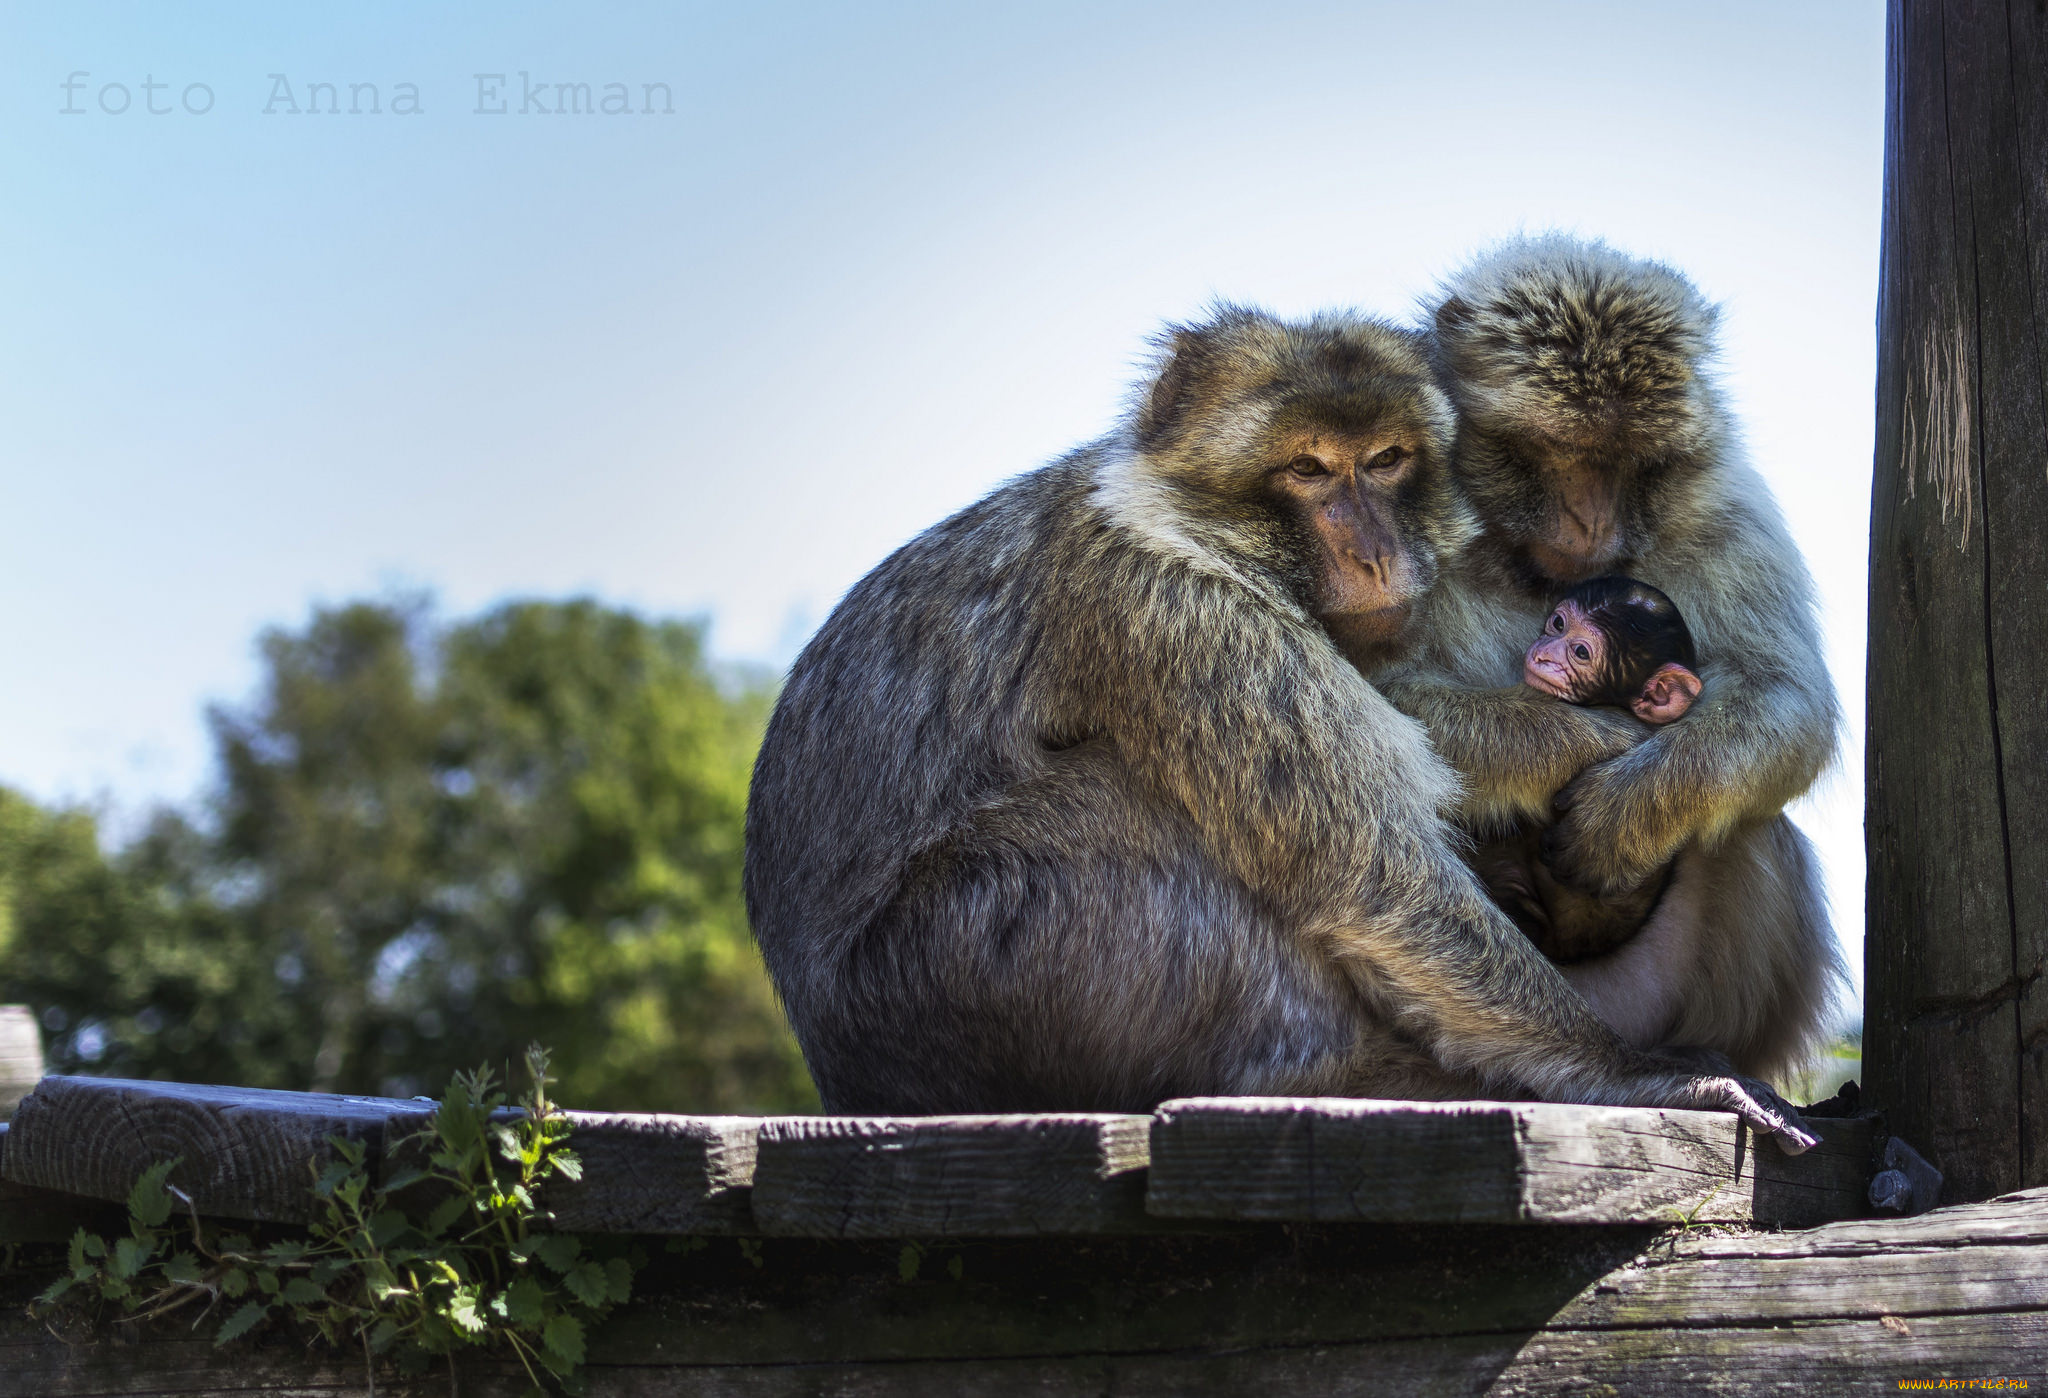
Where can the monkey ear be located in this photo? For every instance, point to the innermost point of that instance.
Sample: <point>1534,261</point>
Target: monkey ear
<point>1667,694</point>
<point>1186,362</point>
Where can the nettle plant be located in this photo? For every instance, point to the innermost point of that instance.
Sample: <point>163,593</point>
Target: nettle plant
<point>446,1256</point>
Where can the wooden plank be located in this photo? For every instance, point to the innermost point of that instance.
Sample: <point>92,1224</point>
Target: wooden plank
<point>21,1056</point>
<point>658,1174</point>
<point>1339,1159</point>
<point>44,1216</point>
<point>944,1177</point>
<point>1437,1309</point>
<point>244,1152</point>
<point>1956,1026</point>
<point>2018,493</point>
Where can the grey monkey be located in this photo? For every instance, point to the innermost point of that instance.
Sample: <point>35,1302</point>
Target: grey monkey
<point>1593,439</point>
<point>1074,804</point>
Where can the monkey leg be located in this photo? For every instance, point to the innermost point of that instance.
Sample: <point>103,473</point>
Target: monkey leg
<point>1069,947</point>
<point>1738,957</point>
<point>1565,923</point>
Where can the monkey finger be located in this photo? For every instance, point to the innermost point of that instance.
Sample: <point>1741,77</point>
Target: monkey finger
<point>1767,1114</point>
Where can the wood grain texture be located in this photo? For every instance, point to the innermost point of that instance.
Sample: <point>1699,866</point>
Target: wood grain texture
<point>1956,1024</point>
<point>948,1177</point>
<point>1850,1308</point>
<point>21,1056</point>
<point>44,1216</point>
<point>1343,1160</point>
<point>658,1174</point>
<point>243,1152</point>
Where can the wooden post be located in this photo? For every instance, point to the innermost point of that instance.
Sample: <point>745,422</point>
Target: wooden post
<point>21,1056</point>
<point>1956,1024</point>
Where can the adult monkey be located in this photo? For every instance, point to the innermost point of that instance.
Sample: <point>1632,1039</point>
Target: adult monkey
<point>1593,440</point>
<point>1073,804</point>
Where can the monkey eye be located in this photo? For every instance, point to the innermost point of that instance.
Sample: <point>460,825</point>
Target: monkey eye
<point>1308,467</point>
<point>1557,622</point>
<point>1581,652</point>
<point>1388,459</point>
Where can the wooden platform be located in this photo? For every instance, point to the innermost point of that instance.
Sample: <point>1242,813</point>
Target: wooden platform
<point>1226,1246</point>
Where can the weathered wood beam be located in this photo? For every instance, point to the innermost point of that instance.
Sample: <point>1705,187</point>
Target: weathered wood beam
<point>1956,788</point>
<point>44,1216</point>
<point>1848,1308</point>
<point>943,1177</point>
<point>1339,1160</point>
<point>247,1153</point>
<point>243,1152</point>
<point>658,1174</point>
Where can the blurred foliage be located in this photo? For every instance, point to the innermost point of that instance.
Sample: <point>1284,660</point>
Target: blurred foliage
<point>428,846</point>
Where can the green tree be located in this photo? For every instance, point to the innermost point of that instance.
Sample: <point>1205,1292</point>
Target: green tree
<point>133,968</point>
<point>432,845</point>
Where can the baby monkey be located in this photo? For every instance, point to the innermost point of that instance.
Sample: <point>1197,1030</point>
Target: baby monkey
<point>1610,641</point>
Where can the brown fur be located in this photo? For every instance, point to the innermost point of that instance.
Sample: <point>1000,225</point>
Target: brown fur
<point>1583,385</point>
<point>1072,803</point>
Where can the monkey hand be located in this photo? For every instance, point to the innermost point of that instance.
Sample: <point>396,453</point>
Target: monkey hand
<point>1515,747</point>
<point>1762,1109</point>
<point>1609,834</point>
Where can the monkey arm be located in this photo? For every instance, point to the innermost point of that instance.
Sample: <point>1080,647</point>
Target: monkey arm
<point>1315,791</point>
<point>1515,748</point>
<point>1764,729</point>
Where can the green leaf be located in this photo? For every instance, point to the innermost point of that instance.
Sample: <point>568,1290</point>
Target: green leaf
<point>402,1179</point>
<point>908,1261</point>
<point>284,1253</point>
<point>266,1281</point>
<point>351,1151</point>
<point>567,1164</point>
<point>54,1290</point>
<point>149,1202</point>
<point>80,1259</point>
<point>445,1213</point>
<point>387,1225</point>
<point>333,1175</point>
<point>245,1318</point>
<point>618,1276</point>
<point>184,1269</point>
<point>558,1250</point>
<point>94,1245</point>
<point>234,1282</point>
<point>327,1269</point>
<point>131,1255</point>
<point>525,1302</point>
<point>564,1338</point>
<point>462,1312</point>
<point>303,1291</point>
<point>382,1334</point>
<point>587,1283</point>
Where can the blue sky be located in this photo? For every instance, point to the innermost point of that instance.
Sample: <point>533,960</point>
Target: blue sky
<point>878,258</point>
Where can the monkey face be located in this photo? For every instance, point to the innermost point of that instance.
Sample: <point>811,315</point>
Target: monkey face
<point>1345,491</point>
<point>1317,452</point>
<point>1571,511</point>
<point>1579,375</point>
<point>1570,659</point>
<point>1627,652</point>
